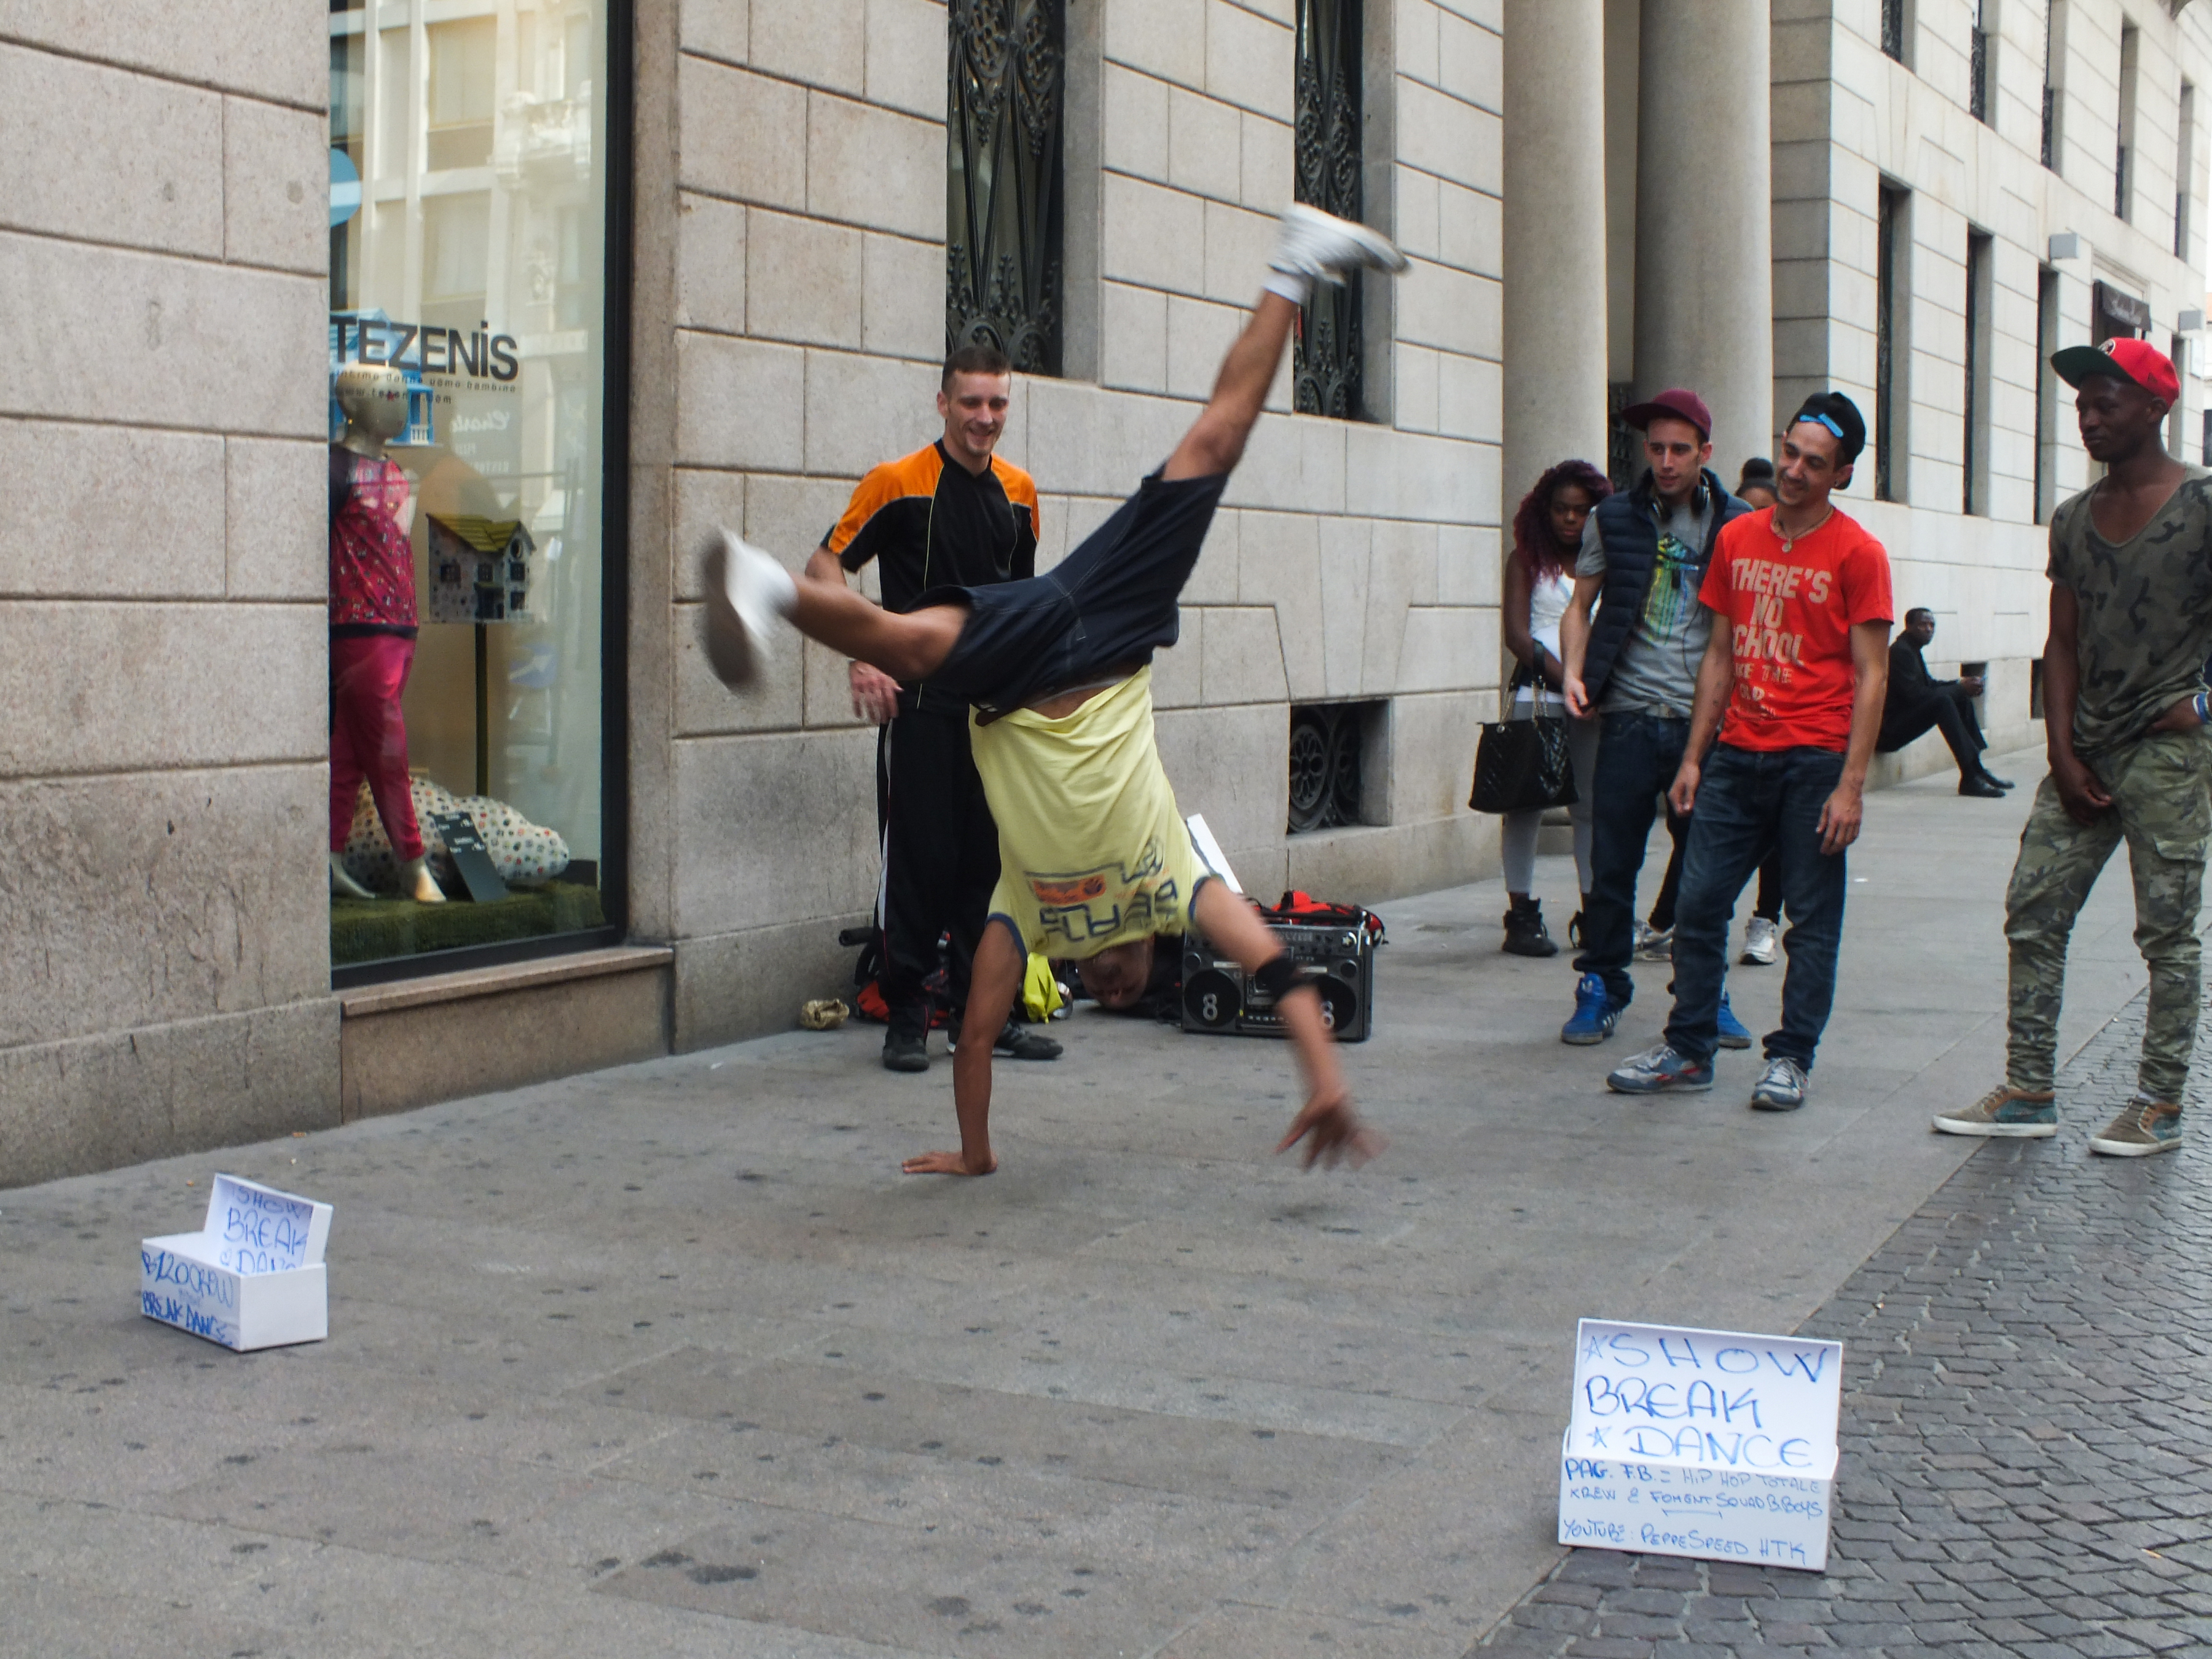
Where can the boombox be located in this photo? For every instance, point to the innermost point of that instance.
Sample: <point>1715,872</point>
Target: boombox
<point>1219,997</point>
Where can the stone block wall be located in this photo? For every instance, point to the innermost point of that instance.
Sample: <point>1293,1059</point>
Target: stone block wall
<point>1848,119</point>
<point>163,778</point>
<point>789,321</point>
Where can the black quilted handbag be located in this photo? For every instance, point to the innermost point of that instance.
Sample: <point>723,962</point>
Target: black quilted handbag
<point>1521,765</point>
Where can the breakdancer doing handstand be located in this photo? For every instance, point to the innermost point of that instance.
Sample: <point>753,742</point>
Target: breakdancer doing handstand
<point>1094,856</point>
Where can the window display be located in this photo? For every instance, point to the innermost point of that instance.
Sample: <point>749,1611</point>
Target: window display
<point>468,256</point>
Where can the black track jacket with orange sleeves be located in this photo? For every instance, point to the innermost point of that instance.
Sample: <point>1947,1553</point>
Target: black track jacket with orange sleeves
<point>929,523</point>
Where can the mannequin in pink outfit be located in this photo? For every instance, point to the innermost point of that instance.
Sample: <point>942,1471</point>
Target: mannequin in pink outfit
<point>373,623</point>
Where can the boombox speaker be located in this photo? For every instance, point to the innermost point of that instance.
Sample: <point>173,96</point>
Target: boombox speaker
<point>1219,997</point>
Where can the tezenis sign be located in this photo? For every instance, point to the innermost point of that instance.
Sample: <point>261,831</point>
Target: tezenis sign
<point>428,350</point>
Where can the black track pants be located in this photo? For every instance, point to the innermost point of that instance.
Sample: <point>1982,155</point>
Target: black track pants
<point>940,859</point>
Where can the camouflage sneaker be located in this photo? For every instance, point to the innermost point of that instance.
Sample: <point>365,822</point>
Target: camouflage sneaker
<point>2014,1114</point>
<point>2143,1126</point>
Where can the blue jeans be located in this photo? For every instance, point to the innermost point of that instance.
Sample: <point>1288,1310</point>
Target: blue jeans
<point>1748,802</point>
<point>1638,755</point>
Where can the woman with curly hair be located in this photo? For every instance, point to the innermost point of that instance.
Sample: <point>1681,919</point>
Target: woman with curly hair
<point>1547,533</point>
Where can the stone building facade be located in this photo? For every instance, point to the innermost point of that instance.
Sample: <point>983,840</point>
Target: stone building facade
<point>790,281</point>
<point>712,237</point>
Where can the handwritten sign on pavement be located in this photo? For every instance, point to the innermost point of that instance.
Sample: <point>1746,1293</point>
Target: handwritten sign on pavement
<point>1718,1444</point>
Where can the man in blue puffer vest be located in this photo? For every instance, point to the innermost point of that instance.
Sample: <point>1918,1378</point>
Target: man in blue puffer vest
<point>1644,551</point>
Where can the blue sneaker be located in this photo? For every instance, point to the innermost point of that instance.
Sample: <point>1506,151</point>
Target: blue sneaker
<point>1595,1014</point>
<point>1660,1070</point>
<point>1733,1036</point>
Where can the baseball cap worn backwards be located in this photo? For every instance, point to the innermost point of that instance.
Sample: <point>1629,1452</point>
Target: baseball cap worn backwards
<point>1676,404</point>
<point>2121,360</point>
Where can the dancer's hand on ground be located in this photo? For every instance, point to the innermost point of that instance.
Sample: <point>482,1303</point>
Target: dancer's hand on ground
<point>947,1164</point>
<point>875,694</point>
<point>1332,1130</point>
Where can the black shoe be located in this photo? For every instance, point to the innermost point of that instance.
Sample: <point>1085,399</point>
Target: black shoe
<point>2002,783</point>
<point>1524,931</point>
<point>1983,788</point>
<point>1018,1042</point>
<point>906,1051</point>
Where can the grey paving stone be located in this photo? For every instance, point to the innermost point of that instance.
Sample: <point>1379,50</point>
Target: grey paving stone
<point>2037,1489</point>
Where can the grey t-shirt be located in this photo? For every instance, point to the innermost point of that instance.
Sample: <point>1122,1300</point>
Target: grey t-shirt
<point>1656,672</point>
<point>2145,611</point>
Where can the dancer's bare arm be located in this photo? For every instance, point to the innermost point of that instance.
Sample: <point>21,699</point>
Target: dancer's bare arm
<point>1329,1119</point>
<point>1215,441</point>
<point>992,989</point>
<point>875,694</point>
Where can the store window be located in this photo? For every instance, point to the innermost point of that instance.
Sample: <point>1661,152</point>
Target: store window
<point>468,434</point>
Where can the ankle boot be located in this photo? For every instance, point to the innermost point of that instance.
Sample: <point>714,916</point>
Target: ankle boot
<point>1524,930</point>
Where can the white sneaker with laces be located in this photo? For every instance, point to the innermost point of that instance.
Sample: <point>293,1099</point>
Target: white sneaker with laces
<point>1759,938</point>
<point>1316,245</point>
<point>746,587</point>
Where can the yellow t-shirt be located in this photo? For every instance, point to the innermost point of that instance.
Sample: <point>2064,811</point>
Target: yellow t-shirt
<point>1092,850</point>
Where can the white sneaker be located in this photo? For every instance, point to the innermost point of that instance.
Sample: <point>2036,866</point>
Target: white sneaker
<point>1759,936</point>
<point>744,588</point>
<point>1314,243</point>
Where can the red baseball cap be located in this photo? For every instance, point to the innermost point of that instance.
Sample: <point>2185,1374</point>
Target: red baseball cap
<point>2121,360</point>
<point>1676,404</point>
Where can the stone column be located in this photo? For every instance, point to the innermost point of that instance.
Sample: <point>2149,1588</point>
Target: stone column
<point>1554,229</point>
<point>1705,271</point>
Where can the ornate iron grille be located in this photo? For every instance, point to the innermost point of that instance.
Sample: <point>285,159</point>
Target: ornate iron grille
<point>1003,208</point>
<point>1326,360</point>
<point>1978,74</point>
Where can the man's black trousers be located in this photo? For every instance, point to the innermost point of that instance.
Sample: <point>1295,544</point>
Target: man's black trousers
<point>1943,708</point>
<point>940,858</point>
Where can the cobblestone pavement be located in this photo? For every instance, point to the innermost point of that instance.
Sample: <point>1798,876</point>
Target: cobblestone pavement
<point>2026,1430</point>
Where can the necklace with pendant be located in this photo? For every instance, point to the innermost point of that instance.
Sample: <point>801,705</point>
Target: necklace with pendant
<point>1791,540</point>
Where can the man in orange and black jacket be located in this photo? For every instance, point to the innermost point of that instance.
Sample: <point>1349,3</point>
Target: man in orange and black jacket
<point>952,515</point>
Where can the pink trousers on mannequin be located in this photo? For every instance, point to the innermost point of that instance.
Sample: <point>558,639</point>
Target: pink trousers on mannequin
<point>368,737</point>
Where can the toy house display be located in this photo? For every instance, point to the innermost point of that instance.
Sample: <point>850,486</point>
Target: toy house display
<point>479,570</point>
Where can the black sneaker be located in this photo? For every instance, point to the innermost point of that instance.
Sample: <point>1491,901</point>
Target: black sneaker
<point>1525,933</point>
<point>906,1051</point>
<point>1017,1042</point>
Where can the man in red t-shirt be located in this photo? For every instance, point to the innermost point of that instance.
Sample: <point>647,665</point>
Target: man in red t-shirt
<point>1792,685</point>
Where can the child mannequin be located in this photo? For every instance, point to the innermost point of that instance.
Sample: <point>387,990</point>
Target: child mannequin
<point>371,626</point>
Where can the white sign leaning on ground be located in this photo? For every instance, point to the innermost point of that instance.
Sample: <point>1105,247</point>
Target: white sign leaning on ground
<point>250,1278</point>
<point>1707,1443</point>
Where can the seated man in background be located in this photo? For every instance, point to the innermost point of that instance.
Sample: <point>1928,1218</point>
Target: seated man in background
<point>1916,701</point>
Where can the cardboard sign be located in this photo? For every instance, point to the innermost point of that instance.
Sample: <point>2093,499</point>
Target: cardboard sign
<point>251,1277</point>
<point>1708,1443</point>
<point>471,858</point>
<point>1201,836</point>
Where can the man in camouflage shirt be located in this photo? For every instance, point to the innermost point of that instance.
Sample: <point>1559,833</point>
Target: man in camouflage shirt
<point>2130,626</point>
